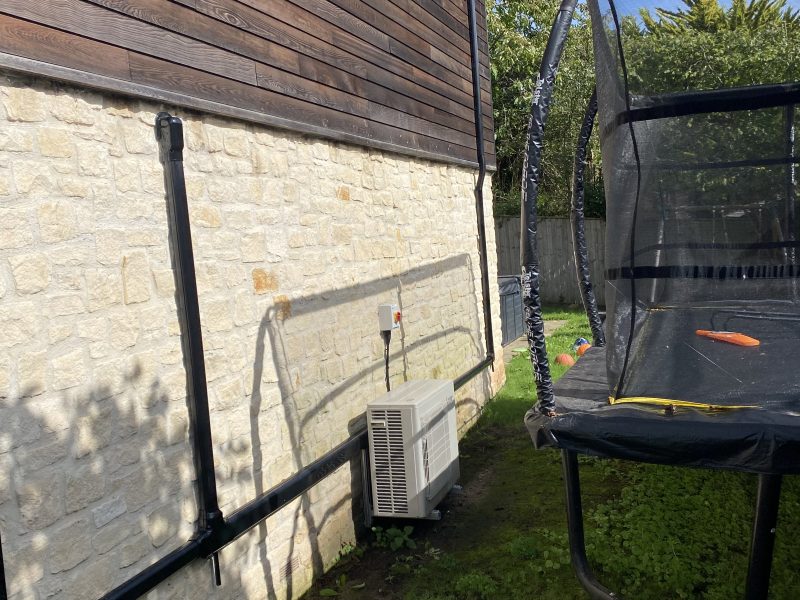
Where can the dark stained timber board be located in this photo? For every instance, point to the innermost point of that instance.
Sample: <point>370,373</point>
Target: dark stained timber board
<point>393,74</point>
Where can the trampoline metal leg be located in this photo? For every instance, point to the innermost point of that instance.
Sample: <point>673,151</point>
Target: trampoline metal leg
<point>577,544</point>
<point>764,524</point>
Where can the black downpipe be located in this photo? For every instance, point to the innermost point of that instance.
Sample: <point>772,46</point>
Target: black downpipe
<point>579,245</point>
<point>463,379</point>
<point>531,177</point>
<point>210,522</point>
<point>3,592</point>
<point>577,545</point>
<point>169,131</point>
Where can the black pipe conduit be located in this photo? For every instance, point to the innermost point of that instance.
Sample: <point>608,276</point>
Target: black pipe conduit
<point>577,213</point>
<point>214,532</point>
<point>3,592</point>
<point>484,263</point>
<point>531,177</point>
<point>169,132</point>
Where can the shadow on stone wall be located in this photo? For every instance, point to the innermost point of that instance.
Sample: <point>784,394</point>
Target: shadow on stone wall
<point>99,479</point>
<point>275,339</point>
<point>84,482</point>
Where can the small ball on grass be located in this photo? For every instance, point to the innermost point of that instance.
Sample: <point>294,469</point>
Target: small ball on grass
<point>582,349</point>
<point>565,360</point>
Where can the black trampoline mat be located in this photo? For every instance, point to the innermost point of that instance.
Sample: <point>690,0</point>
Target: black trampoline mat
<point>669,360</point>
<point>762,440</point>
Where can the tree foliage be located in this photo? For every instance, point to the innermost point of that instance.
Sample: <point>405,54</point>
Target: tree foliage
<point>518,32</point>
<point>708,16</point>
<point>703,45</point>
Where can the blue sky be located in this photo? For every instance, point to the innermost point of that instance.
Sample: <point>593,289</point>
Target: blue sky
<point>627,7</point>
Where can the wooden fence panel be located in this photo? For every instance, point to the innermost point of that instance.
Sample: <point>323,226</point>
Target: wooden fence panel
<point>557,262</point>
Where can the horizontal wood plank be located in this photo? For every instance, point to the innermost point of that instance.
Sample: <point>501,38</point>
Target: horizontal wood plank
<point>382,66</point>
<point>194,83</point>
<point>341,19</point>
<point>97,23</point>
<point>45,43</point>
<point>288,63</point>
<point>188,22</point>
<point>390,73</point>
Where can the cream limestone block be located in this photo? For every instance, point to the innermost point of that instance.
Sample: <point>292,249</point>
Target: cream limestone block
<point>31,272</point>
<point>68,370</point>
<point>32,373</point>
<point>16,140</point>
<point>55,142</point>
<point>24,104</point>
<point>136,277</point>
<point>57,221</point>
<point>103,288</point>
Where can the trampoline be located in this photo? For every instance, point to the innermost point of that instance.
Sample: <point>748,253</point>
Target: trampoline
<point>694,365</point>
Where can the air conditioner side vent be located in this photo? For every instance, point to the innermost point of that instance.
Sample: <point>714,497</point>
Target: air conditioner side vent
<point>389,461</point>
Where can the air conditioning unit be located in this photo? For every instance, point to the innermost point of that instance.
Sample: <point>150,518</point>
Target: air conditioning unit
<point>413,448</point>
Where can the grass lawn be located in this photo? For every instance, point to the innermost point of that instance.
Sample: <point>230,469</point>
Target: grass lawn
<point>652,532</point>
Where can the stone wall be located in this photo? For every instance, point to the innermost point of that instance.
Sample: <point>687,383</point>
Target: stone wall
<point>296,242</point>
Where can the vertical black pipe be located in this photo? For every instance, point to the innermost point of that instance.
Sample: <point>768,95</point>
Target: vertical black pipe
<point>531,178</point>
<point>169,131</point>
<point>577,544</point>
<point>3,592</point>
<point>478,112</point>
<point>764,524</point>
<point>577,214</point>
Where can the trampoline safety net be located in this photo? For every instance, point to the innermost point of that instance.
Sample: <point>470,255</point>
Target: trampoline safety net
<point>702,220</point>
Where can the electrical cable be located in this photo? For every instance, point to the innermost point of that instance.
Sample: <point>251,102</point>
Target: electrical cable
<point>387,337</point>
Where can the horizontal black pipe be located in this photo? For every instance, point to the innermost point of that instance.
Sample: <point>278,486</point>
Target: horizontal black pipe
<point>255,511</point>
<point>465,378</point>
<point>142,582</point>
<point>272,501</point>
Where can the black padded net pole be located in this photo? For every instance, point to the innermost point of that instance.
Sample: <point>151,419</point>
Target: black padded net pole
<point>791,182</point>
<point>532,175</point>
<point>577,217</point>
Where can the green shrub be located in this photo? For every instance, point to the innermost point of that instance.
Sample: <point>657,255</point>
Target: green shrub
<point>475,586</point>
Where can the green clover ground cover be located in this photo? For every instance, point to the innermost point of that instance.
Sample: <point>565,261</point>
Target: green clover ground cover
<point>653,532</point>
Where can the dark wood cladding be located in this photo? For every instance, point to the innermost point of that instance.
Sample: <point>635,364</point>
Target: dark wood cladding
<point>388,73</point>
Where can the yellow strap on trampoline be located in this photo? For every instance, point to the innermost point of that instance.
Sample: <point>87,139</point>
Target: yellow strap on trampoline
<point>669,402</point>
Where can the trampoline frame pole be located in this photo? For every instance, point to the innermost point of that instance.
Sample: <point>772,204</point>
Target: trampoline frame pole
<point>577,218</point>
<point>577,545</point>
<point>763,543</point>
<point>531,178</point>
